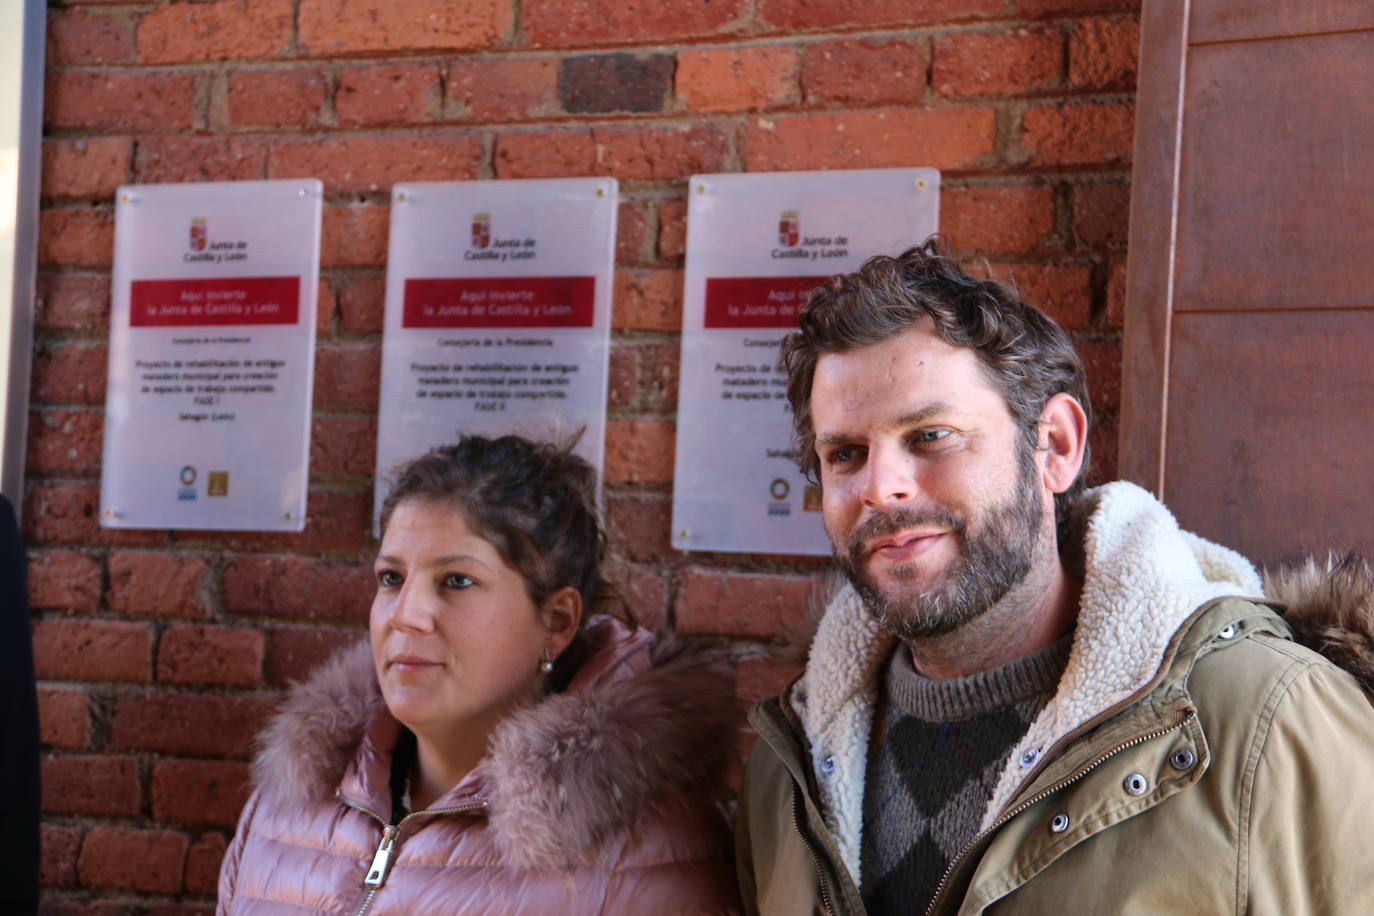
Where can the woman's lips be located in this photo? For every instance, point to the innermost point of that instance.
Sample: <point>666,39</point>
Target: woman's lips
<point>407,663</point>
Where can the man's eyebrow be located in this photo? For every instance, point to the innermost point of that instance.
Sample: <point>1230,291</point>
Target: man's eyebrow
<point>916,418</point>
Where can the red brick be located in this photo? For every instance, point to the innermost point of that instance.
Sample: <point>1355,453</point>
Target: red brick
<point>1101,213</point>
<point>998,63</point>
<point>640,527</point>
<point>1104,437</point>
<point>672,228</point>
<point>230,656</point>
<point>631,232</point>
<point>69,373</point>
<point>354,236</point>
<point>296,651</point>
<point>946,138</point>
<point>647,300</point>
<point>1078,134</point>
<point>347,374</point>
<point>65,441</point>
<point>199,791</point>
<point>77,36</point>
<point>732,79</point>
<point>1062,291</point>
<point>388,94</point>
<point>757,678</point>
<point>67,512</point>
<point>203,862</point>
<point>623,380</point>
<point>407,26</point>
<point>138,860</point>
<point>355,164</point>
<point>74,302</point>
<point>326,302</point>
<point>172,160</point>
<point>1116,293</point>
<point>299,587</point>
<point>741,604</point>
<point>1015,219</point>
<point>85,167</point>
<point>639,451</point>
<point>64,579</point>
<point>64,717</point>
<point>502,89</point>
<point>661,368</point>
<point>646,593</point>
<point>1103,53</point>
<point>660,154</point>
<point>864,71</point>
<point>545,154</point>
<point>94,785</point>
<point>362,303</point>
<point>571,22</point>
<point>343,445</point>
<point>1102,363</point>
<point>76,238</point>
<point>277,98</point>
<point>218,30</point>
<point>92,650</point>
<point>160,584</point>
<point>789,15</point>
<point>119,99</point>
<point>57,863</point>
<point>206,726</point>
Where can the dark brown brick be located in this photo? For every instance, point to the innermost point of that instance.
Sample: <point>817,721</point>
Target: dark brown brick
<point>614,82</point>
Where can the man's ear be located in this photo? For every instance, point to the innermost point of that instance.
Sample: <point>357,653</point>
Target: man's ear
<point>1063,439</point>
<point>562,612</point>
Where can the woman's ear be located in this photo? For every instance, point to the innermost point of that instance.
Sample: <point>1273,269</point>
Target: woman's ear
<point>1063,439</point>
<point>562,612</point>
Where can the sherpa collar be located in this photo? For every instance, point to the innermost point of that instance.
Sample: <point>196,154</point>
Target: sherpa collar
<point>1143,577</point>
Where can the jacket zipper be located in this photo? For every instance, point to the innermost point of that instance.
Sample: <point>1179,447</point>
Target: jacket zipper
<point>381,859</point>
<point>815,857</point>
<point>1046,792</point>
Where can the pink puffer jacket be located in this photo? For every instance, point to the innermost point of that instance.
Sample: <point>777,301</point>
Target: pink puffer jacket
<point>600,799</point>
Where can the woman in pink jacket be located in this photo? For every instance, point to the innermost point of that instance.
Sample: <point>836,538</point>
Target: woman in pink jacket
<point>492,750</point>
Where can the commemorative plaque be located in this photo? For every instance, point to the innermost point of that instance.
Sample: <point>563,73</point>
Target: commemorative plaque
<point>498,314</point>
<point>212,346</point>
<point>757,244</point>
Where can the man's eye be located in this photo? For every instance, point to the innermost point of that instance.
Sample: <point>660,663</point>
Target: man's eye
<point>388,578</point>
<point>931,435</point>
<point>843,455</point>
<point>457,580</point>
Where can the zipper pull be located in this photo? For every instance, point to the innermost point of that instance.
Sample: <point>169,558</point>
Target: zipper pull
<point>381,862</point>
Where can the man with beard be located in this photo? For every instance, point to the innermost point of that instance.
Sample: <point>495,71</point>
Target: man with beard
<point>1031,697</point>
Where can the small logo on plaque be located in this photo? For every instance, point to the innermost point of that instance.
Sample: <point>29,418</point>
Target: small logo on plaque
<point>200,236</point>
<point>217,483</point>
<point>187,476</point>
<point>789,228</point>
<point>811,498</point>
<point>481,230</point>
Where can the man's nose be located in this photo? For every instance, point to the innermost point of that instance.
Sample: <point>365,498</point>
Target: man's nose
<point>890,476</point>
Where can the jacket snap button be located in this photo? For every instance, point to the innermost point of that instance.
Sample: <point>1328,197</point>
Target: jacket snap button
<point>1029,757</point>
<point>828,765</point>
<point>1059,823</point>
<point>1227,632</point>
<point>1182,759</point>
<point>1135,784</point>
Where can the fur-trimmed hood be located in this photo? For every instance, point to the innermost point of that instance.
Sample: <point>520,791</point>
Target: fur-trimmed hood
<point>640,724</point>
<point>1330,606</point>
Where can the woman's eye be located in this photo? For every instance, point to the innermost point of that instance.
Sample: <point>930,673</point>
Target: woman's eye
<point>388,578</point>
<point>457,580</point>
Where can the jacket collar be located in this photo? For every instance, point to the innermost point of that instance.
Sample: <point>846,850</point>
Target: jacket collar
<point>1143,577</point>
<point>639,723</point>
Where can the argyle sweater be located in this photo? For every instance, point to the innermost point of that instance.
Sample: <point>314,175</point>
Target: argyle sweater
<point>936,752</point>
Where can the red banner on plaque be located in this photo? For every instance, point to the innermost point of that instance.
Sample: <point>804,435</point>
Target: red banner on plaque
<point>500,302</point>
<point>230,300</point>
<point>756,302</point>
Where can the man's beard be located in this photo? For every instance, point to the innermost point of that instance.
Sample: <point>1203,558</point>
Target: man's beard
<point>992,560</point>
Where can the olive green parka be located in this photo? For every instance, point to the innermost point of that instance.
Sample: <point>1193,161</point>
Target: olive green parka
<point>1196,759</point>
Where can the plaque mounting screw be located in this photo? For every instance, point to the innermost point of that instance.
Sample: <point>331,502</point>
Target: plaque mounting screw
<point>286,515</point>
<point>128,198</point>
<point>402,196</point>
<point>701,189</point>
<point>600,192</point>
<point>921,183</point>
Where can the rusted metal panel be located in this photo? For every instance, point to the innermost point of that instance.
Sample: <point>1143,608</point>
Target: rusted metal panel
<point>1271,448</point>
<point>1276,186</point>
<point>1235,20</point>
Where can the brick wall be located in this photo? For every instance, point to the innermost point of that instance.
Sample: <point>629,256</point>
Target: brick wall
<point>159,653</point>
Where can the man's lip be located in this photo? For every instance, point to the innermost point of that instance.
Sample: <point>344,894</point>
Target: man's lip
<point>898,541</point>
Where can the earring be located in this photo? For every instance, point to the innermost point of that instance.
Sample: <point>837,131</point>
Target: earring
<point>547,664</point>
